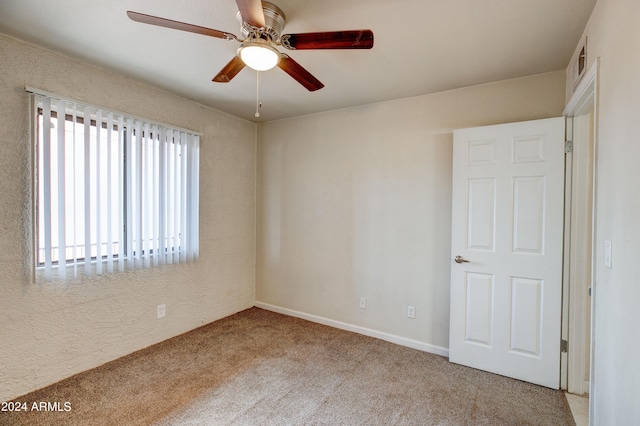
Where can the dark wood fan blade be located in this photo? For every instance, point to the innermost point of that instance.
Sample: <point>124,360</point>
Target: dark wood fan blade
<point>352,39</point>
<point>299,74</point>
<point>168,23</point>
<point>251,12</point>
<point>229,71</point>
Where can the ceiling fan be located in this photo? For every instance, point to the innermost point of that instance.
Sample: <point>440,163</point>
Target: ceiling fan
<point>262,23</point>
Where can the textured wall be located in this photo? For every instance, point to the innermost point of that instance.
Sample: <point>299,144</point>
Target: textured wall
<point>613,35</point>
<point>357,203</point>
<point>49,331</point>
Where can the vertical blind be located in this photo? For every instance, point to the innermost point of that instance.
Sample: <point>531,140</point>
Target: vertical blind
<point>112,191</point>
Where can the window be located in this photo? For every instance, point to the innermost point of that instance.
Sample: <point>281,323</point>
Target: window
<point>112,192</point>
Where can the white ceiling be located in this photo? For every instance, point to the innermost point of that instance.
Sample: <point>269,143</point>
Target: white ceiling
<point>421,46</point>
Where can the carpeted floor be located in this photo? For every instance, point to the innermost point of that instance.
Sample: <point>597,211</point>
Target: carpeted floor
<point>262,368</point>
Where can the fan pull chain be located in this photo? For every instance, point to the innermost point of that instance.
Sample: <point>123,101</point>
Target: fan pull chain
<point>258,103</point>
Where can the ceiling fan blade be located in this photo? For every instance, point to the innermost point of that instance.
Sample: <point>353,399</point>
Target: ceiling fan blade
<point>299,74</point>
<point>168,23</point>
<point>229,71</point>
<point>251,12</point>
<point>351,39</point>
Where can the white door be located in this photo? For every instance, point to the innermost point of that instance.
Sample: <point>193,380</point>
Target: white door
<point>507,229</point>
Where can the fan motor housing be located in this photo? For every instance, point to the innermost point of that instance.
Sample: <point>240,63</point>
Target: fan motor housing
<point>274,19</point>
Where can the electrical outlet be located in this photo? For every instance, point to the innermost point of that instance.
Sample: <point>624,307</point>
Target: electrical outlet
<point>411,311</point>
<point>363,303</point>
<point>161,311</point>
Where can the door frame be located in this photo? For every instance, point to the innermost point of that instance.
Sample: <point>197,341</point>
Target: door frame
<point>583,100</point>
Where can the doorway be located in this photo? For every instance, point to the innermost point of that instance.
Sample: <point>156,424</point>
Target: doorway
<point>579,259</point>
<point>580,199</point>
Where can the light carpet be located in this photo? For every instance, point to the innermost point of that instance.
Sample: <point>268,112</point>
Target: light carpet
<point>262,368</point>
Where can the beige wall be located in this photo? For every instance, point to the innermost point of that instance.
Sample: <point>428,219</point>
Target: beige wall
<point>613,35</point>
<point>357,203</point>
<point>49,331</point>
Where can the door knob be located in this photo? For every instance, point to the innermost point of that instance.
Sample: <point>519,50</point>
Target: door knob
<point>460,259</point>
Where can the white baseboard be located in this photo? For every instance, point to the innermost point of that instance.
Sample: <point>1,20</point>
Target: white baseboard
<point>399,340</point>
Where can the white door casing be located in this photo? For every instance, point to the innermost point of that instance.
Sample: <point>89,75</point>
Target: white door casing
<point>507,222</point>
<point>582,113</point>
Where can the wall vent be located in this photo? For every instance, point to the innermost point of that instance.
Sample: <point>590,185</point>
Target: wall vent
<point>579,63</point>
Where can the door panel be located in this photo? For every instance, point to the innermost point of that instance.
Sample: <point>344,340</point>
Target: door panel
<point>479,314</point>
<point>528,214</point>
<point>526,318</point>
<point>508,183</point>
<point>481,218</point>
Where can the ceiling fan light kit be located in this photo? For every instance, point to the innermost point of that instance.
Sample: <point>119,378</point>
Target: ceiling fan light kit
<point>262,24</point>
<point>258,50</point>
<point>259,55</point>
